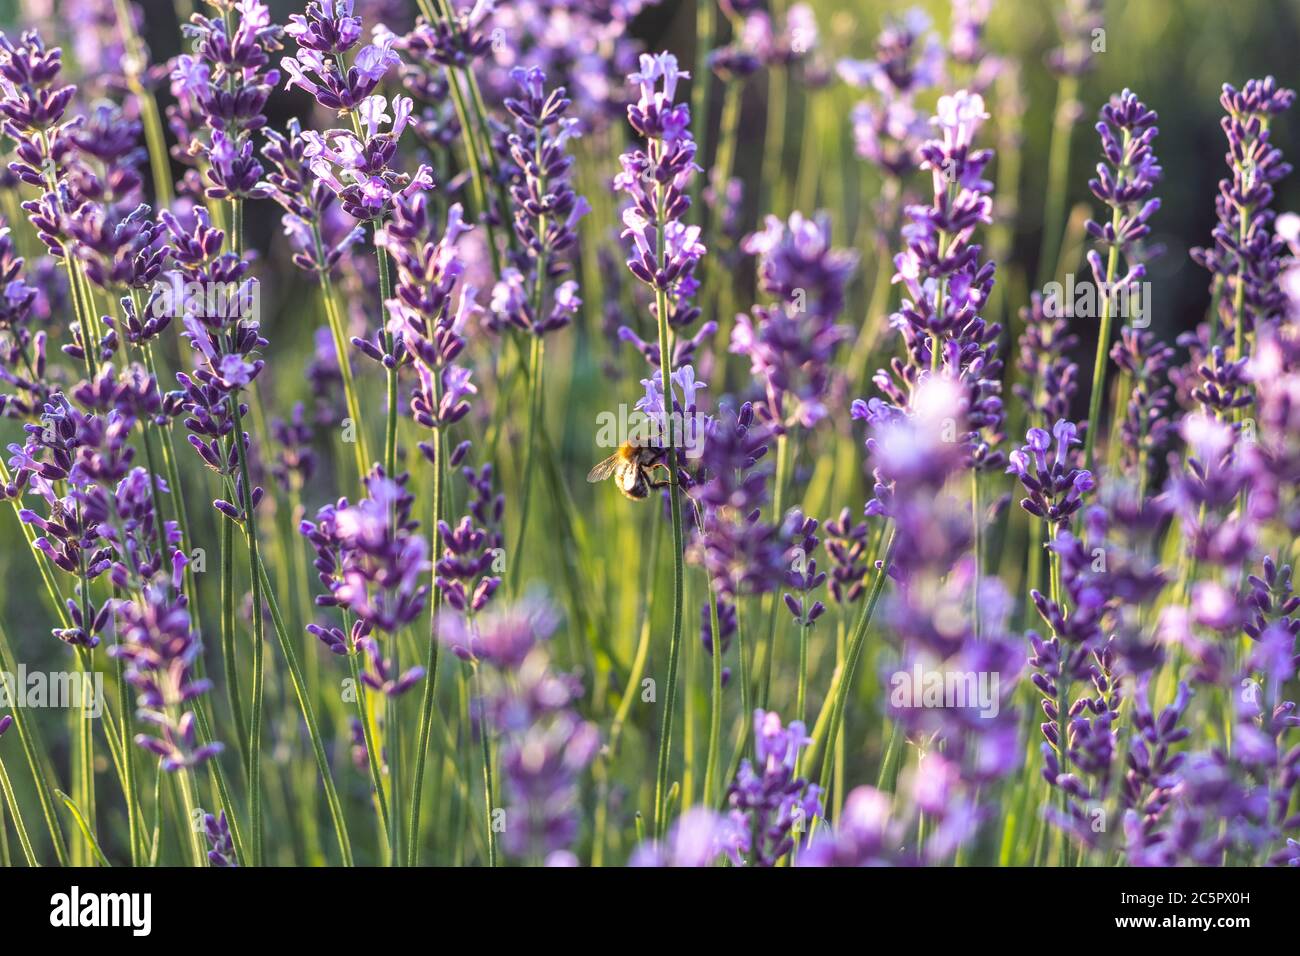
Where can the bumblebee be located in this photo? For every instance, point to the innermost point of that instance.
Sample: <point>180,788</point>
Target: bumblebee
<point>632,467</point>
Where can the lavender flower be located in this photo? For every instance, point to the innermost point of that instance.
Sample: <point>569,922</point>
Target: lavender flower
<point>226,84</point>
<point>324,34</point>
<point>156,635</point>
<point>22,351</point>
<point>424,326</point>
<point>224,337</point>
<point>656,181</point>
<point>1147,426</point>
<point>791,345</point>
<point>1152,776</point>
<point>1050,378</point>
<point>586,47</point>
<point>221,852</point>
<point>909,59</point>
<point>33,107</point>
<point>846,543</point>
<point>457,41</point>
<point>308,204</point>
<point>741,553</point>
<point>1124,182</point>
<point>867,834</point>
<point>1204,494</point>
<point>370,558</point>
<point>379,674</point>
<point>546,208</point>
<point>803,577</point>
<point>296,463</point>
<point>698,838</point>
<point>1055,484</point>
<point>947,286</point>
<point>1245,258</point>
<point>466,572</point>
<point>357,166</point>
<point>772,808</point>
<point>1080,23</point>
<point>501,637</point>
<point>544,744</point>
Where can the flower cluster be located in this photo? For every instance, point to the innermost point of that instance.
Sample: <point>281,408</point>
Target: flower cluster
<point>1056,485</point>
<point>325,34</point>
<point>425,327</point>
<point>224,85</point>
<point>546,208</point>
<point>1245,257</point>
<point>357,164</point>
<point>889,129</point>
<point>740,551</point>
<point>791,345</point>
<point>1124,182</point>
<point>467,570</point>
<point>544,743</point>
<point>771,806</point>
<point>311,219</point>
<point>1050,379</point>
<point>370,558</point>
<point>585,46</point>
<point>656,180</point>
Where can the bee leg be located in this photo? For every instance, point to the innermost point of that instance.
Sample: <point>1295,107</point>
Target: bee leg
<point>662,483</point>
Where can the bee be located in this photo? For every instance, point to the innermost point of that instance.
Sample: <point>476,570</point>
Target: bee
<point>632,466</point>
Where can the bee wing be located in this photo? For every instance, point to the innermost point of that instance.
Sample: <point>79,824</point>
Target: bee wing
<point>604,469</point>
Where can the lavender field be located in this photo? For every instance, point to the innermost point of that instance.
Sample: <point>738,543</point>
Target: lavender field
<point>656,434</point>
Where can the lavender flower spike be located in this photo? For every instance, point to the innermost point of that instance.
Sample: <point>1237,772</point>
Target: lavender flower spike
<point>1124,182</point>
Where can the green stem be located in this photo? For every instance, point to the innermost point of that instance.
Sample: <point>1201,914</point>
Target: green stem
<point>393,750</point>
<point>228,655</point>
<point>856,643</point>
<point>675,508</point>
<point>338,333</point>
<point>128,764</point>
<point>778,515</point>
<point>977,545</point>
<point>390,430</point>
<point>801,691</point>
<point>85,778</point>
<point>368,734</point>
<point>1058,171</point>
<point>431,666</point>
<point>535,355</point>
<point>1099,364</point>
<point>17,815</point>
<point>309,718</point>
<point>29,736</point>
<point>184,777</point>
<point>135,61</point>
<point>715,710</point>
<point>489,794</point>
<point>254,562</point>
